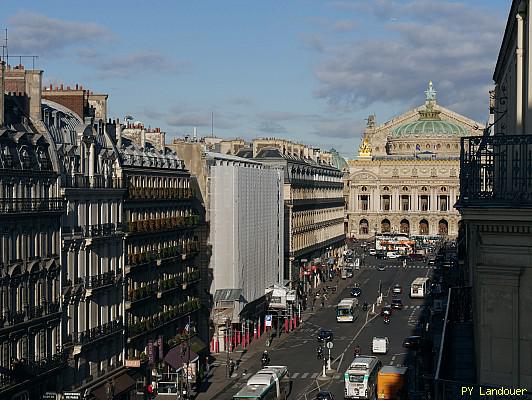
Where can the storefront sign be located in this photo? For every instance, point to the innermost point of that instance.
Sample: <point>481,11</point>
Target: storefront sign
<point>132,363</point>
<point>304,260</point>
<point>72,396</point>
<point>191,371</point>
<point>49,396</point>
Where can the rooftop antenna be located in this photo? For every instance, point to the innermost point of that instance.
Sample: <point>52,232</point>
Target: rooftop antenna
<point>5,52</point>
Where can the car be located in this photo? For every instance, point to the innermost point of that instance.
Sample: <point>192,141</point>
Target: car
<point>432,261</point>
<point>397,289</point>
<point>356,292</point>
<point>392,255</point>
<point>381,267</point>
<point>417,257</point>
<point>372,252</point>
<point>325,335</point>
<point>324,395</point>
<point>412,342</point>
<point>386,310</point>
<point>397,304</point>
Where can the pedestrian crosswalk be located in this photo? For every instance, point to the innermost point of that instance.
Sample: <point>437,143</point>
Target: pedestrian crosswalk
<point>398,266</point>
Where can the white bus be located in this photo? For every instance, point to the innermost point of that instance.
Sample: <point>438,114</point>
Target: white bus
<point>361,378</point>
<point>420,288</point>
<point>270,383</point>
<point>347,310</point>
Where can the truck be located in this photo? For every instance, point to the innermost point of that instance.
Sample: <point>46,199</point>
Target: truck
<point>392,383</point>
<point>380,345</point>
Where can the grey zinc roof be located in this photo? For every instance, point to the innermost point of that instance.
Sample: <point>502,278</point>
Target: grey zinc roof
<point>227,295</point>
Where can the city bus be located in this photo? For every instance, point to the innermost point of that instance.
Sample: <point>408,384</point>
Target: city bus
<point>270,383</point>
<point>347,310</point>
<point>361,378</point>
<point>420,288</point>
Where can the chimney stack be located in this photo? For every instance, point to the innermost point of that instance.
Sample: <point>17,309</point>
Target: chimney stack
<point>2,85</point>
<point>143,138</point>
<point>33,83</point>
<point>118,133</point>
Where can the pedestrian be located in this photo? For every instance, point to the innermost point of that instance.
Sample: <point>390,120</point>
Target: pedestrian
<point>322,302</point>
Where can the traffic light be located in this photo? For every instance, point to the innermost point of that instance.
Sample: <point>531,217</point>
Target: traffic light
<point>151,393</point>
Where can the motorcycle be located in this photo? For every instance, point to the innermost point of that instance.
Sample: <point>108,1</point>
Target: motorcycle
<point>386,319</point>
<point>365,307</point>
<point>265,360</point>
<point>357,351</point>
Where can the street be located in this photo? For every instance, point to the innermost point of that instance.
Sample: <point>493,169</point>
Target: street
<point>299,353</point>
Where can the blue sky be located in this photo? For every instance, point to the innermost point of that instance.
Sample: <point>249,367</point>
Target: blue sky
<point>307,70</point>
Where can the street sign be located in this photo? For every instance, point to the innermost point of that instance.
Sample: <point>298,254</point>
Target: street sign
<point>330,345</point>
<point>49,396</point>
<point>268,320</point>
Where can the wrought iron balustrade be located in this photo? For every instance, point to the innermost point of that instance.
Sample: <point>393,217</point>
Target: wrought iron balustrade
<point>96,281</point>
<point>21,370</point>
<point>98,181</point>
<point>18,205</point>
<point>496,170</point>
<point>30,312</point>
<point>82,338</point>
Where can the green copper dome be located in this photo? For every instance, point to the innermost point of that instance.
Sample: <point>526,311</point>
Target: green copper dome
<point>337,160</point>
<point>429,122</point>
<point>428,127</point>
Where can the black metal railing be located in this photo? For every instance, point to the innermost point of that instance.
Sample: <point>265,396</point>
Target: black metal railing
<point>94,231</point>
<point>102,182</point>
<point>496,170</point>
<point>18,205</point>
<point>30,312</point>
<point>24,369</point>
<point>96,281</point>
<point>82,338</point>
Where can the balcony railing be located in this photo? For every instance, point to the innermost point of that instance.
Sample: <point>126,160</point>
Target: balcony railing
<point>94,231</point>
<point>162,254</point>
<point>22,370</point>
<point>160,193</point>
<point>164,317</point>
<point>84,182</point>
<point>161,224</point>
<point>31,312</point>
<point>496,170</point>
<point>93,334</point>
<point>100,280</point>
<point>142,293</point>
<point>17,205</point>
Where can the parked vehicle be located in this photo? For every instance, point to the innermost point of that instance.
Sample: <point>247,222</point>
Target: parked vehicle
<point>392,383</point>
<point>380,345</point>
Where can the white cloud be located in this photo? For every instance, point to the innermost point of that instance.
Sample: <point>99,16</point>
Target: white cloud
<point>451,43</point>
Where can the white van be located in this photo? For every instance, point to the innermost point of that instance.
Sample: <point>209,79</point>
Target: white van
<point>392,255</point>
<point>380,345</point>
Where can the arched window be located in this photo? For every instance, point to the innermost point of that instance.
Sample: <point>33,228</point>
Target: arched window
<point>363,227</point>
<point>423,227</point>
<point>385,226</point>
<point>443,228</point>
<point>405,226</point>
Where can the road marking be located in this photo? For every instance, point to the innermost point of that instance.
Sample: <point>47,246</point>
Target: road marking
<point>295,375</point>
<point>304,375</point>
<point>314,375</point>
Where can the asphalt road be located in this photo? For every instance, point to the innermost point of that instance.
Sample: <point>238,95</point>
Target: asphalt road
<point>298,352</point>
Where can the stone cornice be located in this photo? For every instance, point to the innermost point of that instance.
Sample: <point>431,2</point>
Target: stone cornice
<point>356,163</point>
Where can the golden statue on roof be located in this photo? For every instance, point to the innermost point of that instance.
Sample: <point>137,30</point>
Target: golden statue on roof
<point>364,150</point>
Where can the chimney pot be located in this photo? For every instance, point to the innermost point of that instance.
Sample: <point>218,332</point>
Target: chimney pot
<point>76,86</point>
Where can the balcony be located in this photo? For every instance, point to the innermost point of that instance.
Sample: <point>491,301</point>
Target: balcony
<point>161,224</point>
<point>22,371</point>
<point>33,314</point>
<point>167,254</point>
<point>94,335</point>
<point>31,206</point>
<point>98,181</point>
<point>140,294</point>
<point>138,329</point>
<point>93,232</point>
<point>160,193</point>
<point>496,171</point>
<point>100,281</point>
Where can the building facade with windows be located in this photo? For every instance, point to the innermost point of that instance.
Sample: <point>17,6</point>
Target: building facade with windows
<point>496,207</point>
<point>31,352</point>
<point>313,204</point>
<point>92,244</point>
<point>405,179</point>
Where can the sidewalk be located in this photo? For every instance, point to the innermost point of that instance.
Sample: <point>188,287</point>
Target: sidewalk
<point>217,380</point>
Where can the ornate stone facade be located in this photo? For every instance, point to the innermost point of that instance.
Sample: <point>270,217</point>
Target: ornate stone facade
<point>405,179</point>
